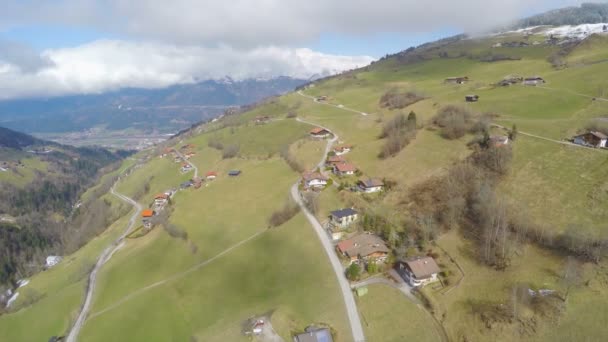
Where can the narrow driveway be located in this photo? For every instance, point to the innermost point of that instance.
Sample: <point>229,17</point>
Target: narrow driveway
<point>103,258</point>
<point>566,143</point>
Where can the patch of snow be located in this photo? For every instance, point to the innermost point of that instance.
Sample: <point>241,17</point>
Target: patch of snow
<point>52,260</point>
<point>3,169</point>
<point>578,31</point>
<point>12,299</point>
<point>22,282</point>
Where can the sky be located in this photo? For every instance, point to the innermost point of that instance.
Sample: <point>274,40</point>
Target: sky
<point>64,47</point>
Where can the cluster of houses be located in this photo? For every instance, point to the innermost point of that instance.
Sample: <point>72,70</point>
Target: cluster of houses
<point>365,248</point>
<point>160,202</point>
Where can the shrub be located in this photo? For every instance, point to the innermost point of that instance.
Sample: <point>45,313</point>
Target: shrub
<point>454,122</point>
<point>291,160</point>
<point>231,151</point>
<point>353,272</point>
<point>291,114</point>
<point>398,132</point>
<point>284,214</point>
<point>393,99</point>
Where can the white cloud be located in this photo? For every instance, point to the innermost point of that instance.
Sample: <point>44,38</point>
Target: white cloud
<point>112,64</point>
<point>251,23</point>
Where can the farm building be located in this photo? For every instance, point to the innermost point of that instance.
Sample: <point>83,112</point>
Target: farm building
<point>186,167</point>
<point>418,271</point>
<point>370,185</point>
<point>261,119</point>
<point>314,335</point>
<point>314,180</point>
<point>364,247</point>
<point>211,175</point>
<point>185,185</point>
<point>457,80</point>
<point>471,98</point>
<point>234,173</point>
<point>591,139</point>
<point>344,169</point>
<point>161,199</point>
<point>319,133</point>
<point>533,81</point>
<point>343,217</point>
<point>342,149</point>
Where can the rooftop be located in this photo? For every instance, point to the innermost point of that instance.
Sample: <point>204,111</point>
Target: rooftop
<point>423,267</point>
<point>307,176</point>
<point>345,167</point>
<point>147,213</point>
<point>319,335</point>
<point>344,212</point>
<point>318,130</point>
<point>371,182</point>
<point>363,245</point>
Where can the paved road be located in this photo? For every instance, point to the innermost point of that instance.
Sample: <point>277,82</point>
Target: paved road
<point>332,105</point>
<point>103,258</point>
<point>349,299</point>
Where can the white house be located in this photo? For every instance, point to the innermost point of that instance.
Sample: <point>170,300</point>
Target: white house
<point>314,180</point>
<point>343,149</point>
<point>419,271</point>
<point>370,185</point>
<point>160,200</point>
<point>344,169</point>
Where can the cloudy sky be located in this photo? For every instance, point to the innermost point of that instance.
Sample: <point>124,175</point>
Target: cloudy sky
<point>58,47</point>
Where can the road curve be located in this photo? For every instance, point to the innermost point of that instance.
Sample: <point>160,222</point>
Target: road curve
<point>349,299</point>
<point>103,258</point>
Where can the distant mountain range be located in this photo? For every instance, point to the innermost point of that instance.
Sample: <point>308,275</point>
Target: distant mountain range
<point>150,110</point>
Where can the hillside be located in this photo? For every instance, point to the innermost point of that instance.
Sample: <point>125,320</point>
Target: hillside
<point>166,110</point>
<point>40,184</point>
<point>586,13</point>
<point>503,220</point>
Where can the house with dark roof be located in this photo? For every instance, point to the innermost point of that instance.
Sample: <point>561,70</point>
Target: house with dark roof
<point>457,80</point>
<point>591,139</point>
<point>234,173</point>
<point>533,81</point>
<point>370,185</point>
<point>364,248</point>
<point>343,217</point>
<point>319,133</point>
<point>471,98</point>
<point>314,335</point>
<point>186,167</point>
<point>344,169</point>
<point>418,271</point>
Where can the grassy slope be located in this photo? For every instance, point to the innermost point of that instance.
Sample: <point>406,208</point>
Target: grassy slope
<point>26,174</point>
<point>388,316</point>
<point>559,186</point>
<point>282,269</point>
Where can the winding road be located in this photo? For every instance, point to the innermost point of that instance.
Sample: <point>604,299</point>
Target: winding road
<point>103,258</point>
<point>349,299</point>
